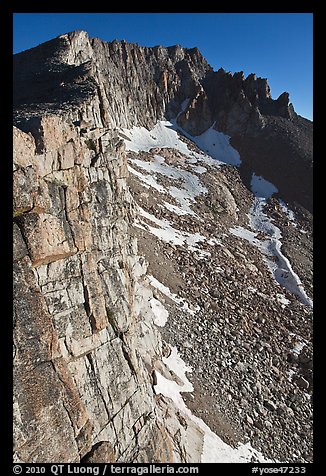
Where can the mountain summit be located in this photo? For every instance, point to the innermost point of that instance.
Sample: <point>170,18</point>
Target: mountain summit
<point>136,86</point>
<point>162,259</point>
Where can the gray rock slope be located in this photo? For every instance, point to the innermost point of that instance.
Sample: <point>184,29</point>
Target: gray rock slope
<point>137,85</point>
<point>85,344</point>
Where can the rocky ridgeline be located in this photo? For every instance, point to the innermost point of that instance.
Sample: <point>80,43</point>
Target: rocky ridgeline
<point>134,85</point>
<point>86,350</point>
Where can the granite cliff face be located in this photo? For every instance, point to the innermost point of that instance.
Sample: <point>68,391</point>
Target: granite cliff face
<point>87,346</point>
<point>85,343</point>
<point>125,85</point>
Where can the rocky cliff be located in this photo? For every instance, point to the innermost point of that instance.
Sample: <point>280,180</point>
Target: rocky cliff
<point>85,343</point>
<point>88,351</point>
<point>125,85</point>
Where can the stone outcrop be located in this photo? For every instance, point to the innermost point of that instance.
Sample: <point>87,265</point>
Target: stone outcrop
<point>85,343</point>
<point>134,85</point>
<point>124,85</point>
<point>270,137</point>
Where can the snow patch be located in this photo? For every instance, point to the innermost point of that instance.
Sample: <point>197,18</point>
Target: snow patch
<point>198,169</point>
<point>291,216</point>
<point>217,145</point>
<point>214,450</point>
<point>291,374</point>
<point>147,180</point>
<point>174,209</point>
<point>168,233</point>
<point>248,235</point>
<point>166,291</point>
<point>300,344</point>
<point>280,268</point>
<point>259,221</point>
<point>162,135</point>
<point>282,299</point>
<point>288,212</point>
<point>189,186</point>
<point>262,187</point>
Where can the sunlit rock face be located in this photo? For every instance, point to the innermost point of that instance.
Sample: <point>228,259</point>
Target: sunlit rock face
<point>98,199</point>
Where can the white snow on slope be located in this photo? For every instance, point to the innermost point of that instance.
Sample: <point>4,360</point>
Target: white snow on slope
<point>282,299</point>
<point>291,216</point>
<point>262,187</point>
<point>177,210</point>
<point>189,186</point>
<point>299,346</point>
<point>211,141</point>
<point>166,232</point>
<point>198,169</point>
<point>160,313</point>
<point>271,246</point>
<point>288,212</point>
<point>148,180</point>
<point>214,450</point>
<point>161,136</point>
<point>300,343</point>
<point>166,291</point>
<point>265,189</point>
<point>215,145</point>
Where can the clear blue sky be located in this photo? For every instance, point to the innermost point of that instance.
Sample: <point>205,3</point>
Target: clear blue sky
<point>277,46</point>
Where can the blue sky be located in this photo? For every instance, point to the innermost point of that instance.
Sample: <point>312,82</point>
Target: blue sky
<point>276,46</point>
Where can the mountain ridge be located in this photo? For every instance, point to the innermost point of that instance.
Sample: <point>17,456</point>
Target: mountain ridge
<point>150,235</point>
<point>84,42</point>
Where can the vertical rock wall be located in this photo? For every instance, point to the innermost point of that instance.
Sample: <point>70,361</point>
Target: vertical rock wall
<point>84,340</point>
